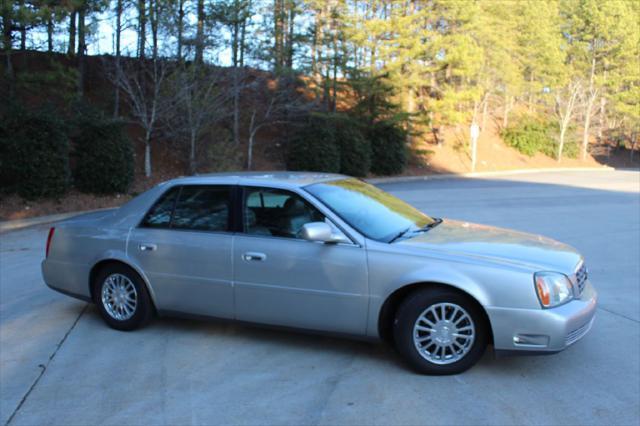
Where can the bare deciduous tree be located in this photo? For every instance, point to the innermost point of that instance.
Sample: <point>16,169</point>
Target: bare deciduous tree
<point>201,98</point>
<point>143,83</point>
<point>565,102</point>
<point>590,95</point>
<point>277,101</point>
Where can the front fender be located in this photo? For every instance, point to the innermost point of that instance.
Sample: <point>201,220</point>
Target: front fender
<point>441,274</point>
<point>490,285</point>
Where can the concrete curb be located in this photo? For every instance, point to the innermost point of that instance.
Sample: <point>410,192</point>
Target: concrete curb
<point>487,174</point>
<point>10,225</point>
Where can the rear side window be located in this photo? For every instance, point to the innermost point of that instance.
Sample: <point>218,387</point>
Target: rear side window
<point>160,214</point>
<point>203,208</point>
<point>196,207</point>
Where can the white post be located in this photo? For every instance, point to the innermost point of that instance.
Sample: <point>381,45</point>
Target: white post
<point>474,132</point>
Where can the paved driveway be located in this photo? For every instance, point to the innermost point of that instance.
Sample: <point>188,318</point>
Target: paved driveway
<point>60,365</point>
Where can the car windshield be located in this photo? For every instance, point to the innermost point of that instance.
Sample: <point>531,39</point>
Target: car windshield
<point>374,213</point>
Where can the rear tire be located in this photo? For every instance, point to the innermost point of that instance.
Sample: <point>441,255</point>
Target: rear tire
<point>440,331</point>
<point>122,298</point>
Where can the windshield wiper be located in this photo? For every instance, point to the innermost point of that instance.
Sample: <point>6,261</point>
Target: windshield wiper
<point>400,234</point>
<point>436,221</point>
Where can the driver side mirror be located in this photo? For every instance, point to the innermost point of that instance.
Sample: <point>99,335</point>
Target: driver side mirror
<point>322,232</point>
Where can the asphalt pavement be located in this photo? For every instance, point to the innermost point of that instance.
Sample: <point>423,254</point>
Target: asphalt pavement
<point>59,364</point>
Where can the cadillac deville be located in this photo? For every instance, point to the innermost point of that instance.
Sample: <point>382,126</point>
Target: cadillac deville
<point>329,253</point>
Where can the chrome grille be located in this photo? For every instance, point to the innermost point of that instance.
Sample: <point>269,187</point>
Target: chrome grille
<point>581,277</point>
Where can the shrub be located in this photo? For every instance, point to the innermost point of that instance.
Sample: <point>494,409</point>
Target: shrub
<point>313,147</point>
<point>34,153</point>
<point>531,135</point>
<point>104,157</point>
<point>355,148</point>
<point>388,148</point>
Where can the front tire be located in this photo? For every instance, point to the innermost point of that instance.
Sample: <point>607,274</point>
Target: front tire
<point>440,331</point>
<point>122,298</point>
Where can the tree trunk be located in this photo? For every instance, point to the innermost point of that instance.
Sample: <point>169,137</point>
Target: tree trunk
<point>72,33</point>
<point>314,44</point>
<point>49,32</point>
<point>243,32</point>
<point>485,104</point>
<point>153,19</point>
<point>23,37</point>
<point>334,80</point>
<point>252,135</point>
<point>289,50</point>
<point>319,44</point>
<point>147,155</point>
<point>192,154</point>
<point>82,49</point>
<point>507,109</point>
<point>585,131</point>
<point>199,59</point>
<point>7,35</point>
<point>563,130</point>
<point>587,116</point>
<point>531,95</point>
<point>142,28</point>
<point>116,102</point>
<point>180,28</point>
<point>235,40</point>
<point>278,22</point>
<point>602,112</point>
<point>7,28</point>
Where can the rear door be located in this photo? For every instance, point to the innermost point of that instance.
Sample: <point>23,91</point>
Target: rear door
<point>183,245</point>
<point>283,279</point>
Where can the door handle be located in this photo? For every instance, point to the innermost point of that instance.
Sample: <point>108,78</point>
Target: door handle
<point>147,247</point>
<point>253,256</point>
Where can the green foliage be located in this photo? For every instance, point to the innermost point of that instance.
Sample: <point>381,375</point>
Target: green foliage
<point>34,153</point>
<point>384,122</point>
<point>374,98</point>
<point>104,157</point>
<point>388,148</point>
<point>533,135</point>
<point>354,147</point>
<point>313,147</point>
<point>56,79</point>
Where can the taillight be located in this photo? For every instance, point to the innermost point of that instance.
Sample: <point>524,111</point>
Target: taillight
<point>49,238</point>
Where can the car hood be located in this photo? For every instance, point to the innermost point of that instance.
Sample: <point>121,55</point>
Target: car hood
<point>497,245</point>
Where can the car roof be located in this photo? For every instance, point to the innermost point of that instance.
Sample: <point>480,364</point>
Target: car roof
<point>280,179</point>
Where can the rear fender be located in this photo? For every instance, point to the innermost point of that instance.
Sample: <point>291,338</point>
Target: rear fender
<point>121,256</point>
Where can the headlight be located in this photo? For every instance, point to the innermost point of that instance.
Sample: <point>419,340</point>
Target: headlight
<point>553,288</point>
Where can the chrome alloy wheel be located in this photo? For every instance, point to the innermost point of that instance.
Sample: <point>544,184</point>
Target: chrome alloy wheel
<point>444,333</point>
<point>119,297</point>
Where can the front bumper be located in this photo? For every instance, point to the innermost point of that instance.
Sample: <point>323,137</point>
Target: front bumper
<point>543,330</point>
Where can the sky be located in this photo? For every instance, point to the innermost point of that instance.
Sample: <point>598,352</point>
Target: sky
<point>102,38</point>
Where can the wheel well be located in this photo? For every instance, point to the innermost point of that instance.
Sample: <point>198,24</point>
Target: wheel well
<point>103,264</point>
<point>390,306</point>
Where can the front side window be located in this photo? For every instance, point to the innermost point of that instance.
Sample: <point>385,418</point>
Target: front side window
<point>160,214</point>
<point>374,213</point>
<point>195,207</point>
<point>278,213</point>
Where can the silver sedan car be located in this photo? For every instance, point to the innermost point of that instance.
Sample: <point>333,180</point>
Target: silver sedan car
<point>326,253</point>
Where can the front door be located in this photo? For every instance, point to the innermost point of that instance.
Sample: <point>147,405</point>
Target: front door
<point>282,279</point>
<point>184,246</point>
